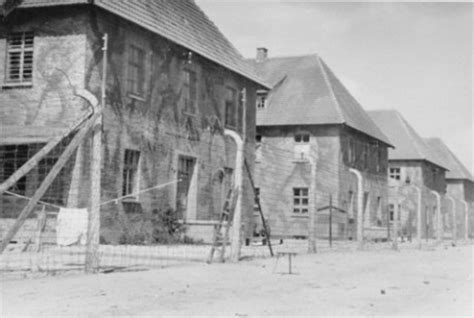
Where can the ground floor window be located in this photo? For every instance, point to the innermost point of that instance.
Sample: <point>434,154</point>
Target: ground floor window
<point>395,173</point>
<point>12,157</point>
<point>130,171</point>
<point>300,200</point>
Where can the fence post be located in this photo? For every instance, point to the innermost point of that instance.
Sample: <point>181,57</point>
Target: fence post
<point>360,208</point>
<point>93,232</point>
<point>312,209</point>
<point>330,220</point>
<point>396,213</point>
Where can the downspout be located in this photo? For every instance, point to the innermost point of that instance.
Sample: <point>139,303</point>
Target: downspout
<point>439,228</point>
<point>360,216</point>
<point>454,233</point>
<point>237,220</point>
<point>466,220</point>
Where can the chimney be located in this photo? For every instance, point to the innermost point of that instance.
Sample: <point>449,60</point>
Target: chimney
<point>262,54</point>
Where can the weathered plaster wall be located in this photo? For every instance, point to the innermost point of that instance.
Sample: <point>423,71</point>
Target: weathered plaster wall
<point>156,124</point>
<point>31,114</point>
<point>161,128</point>
<point>278,173</point>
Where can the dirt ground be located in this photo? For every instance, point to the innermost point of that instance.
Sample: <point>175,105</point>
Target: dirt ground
<point>377,282</point>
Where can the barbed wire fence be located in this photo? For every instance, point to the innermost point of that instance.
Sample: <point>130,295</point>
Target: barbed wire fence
<point>45,210</point>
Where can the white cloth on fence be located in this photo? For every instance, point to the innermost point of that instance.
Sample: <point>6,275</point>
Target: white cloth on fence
<point>71,227</point>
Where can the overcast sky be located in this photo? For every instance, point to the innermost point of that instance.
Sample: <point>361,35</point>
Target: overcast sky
<point>413,57</point>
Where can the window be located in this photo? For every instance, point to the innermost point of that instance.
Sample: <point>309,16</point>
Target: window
<point>12,157</point>
<point>352,150</point>
<point>258,138</point>
<point>230,107</point>
<point>57,189</point>
<point>302,146</point>
<point>136,71</point>
<point>391,212</point>
<point>394,173</point>
<point>261,100</point>
<point>300,200</point>
<point>302,138</point>
<point>20,58</point>
<point>130,172</point>
<point>257,199</point>
<point>190,91</point>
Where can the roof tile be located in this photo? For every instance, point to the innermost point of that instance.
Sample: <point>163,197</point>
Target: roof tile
<point>306,92</point>
<point>182,22</point>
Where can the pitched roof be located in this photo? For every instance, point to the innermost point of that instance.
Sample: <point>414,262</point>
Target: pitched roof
<point>456,169</point>
<point>306,92</point>
<point>182,22</point>
<point>408,144</point>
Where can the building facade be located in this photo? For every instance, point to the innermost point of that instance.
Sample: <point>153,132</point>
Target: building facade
<point>459,188</point>
<point>174,84</point>
<point>416,174</point>
<point>311,136</point>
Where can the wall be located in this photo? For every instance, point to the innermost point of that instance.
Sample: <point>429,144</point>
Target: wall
<point>159,126</point>
<point>156,124</point>
<point>278,171</point>
<point>31,114</point>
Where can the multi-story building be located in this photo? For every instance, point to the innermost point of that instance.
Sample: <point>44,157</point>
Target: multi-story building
<point>174,83</point>
<point>417,176</point>
<point>316,143</point>
<point>460,187</point>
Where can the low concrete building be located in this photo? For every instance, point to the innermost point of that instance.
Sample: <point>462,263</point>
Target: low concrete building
<point>316,144</point>
<point>174,83</point>
<point>418,183</point>
<point>460,188</point>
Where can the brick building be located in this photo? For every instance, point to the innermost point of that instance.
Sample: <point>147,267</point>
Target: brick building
<point>310,133</point>
<point>413,169</point>
<point>460,186</point>
<point>174,83</point>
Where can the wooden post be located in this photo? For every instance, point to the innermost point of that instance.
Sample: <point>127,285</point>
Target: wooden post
<point>93,231</point>
<point>78,138</point>
<point>330,220</point>
<point>257,200</point>
<point>33,161</point>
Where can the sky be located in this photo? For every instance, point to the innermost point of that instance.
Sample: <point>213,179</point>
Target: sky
<point>416,58</point>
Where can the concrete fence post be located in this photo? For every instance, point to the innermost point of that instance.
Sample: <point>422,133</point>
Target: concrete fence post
<point>360,204</point>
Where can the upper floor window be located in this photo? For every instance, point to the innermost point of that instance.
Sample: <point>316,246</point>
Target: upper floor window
<point>136,71</point>
<point>190,91</point>
<point>256,208</point>
<point>261,100</point>
<point>20,58</point>
<point>230,107</point>
<point>300,200</point>
<point>395,173</point>
<point>302,146</point>
<point>130,171</point>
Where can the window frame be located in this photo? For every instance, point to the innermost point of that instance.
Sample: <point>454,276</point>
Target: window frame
<point>230,104</point>
<point>395,175</point>
<point>22,50</point>
<point>190,90</point>
<point>136,87</point>
<point>261,100</point>
<point>131,173</point>
<point>300,199</point>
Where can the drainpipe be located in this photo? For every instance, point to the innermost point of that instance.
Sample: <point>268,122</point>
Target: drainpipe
<point>360,216</point>
<point>439,228</point>
<point>237,220</point>
<point>454,233</point>
<point>466,220</point>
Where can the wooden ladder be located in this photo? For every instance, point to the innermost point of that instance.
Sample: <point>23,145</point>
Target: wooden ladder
<point>220,240</point>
